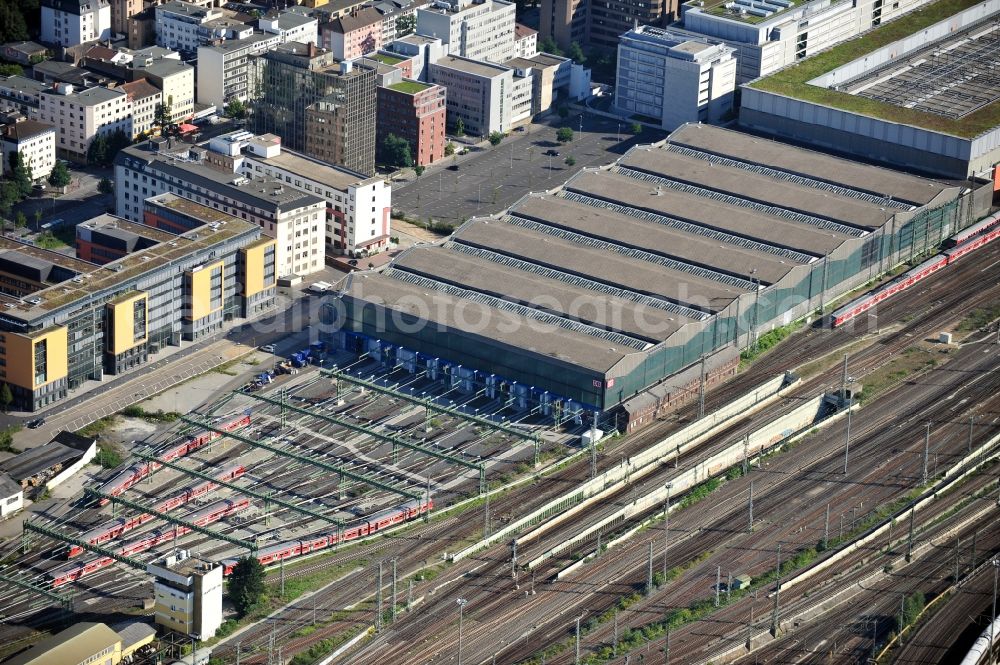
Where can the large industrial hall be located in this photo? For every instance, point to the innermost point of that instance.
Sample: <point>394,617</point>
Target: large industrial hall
<point>636,270</point>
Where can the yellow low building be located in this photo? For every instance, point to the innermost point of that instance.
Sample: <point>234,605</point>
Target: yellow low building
<point>83,644</point>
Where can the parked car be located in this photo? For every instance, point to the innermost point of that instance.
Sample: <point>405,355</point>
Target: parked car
<point>267,348</point>
<point>551,153</point>
<point>35,423</point>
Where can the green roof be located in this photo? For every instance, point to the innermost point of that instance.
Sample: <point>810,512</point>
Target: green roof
<point>793,81</point>
<point>409,87</point>
<point>718,8</point>
<point>387,59</point>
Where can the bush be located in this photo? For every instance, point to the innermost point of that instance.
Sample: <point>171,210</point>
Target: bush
<point>107,457</point>
<point>564,135</point>
<point>495,138</point>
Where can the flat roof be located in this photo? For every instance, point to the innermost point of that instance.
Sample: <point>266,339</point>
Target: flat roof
<point>619,270</point>
<point>826,168</point>
<point>313,169</point>
<point>477,67</point>
<point>106,222</point>
<point>508,328</point>
<point>747,184</point>
<point>794,81</point>
<point>714,214</point>
<point>34,461</point>
<point>564,298</point>
<point>701,250</point>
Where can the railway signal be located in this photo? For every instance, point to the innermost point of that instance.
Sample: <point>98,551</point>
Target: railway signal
<point>461,615</point>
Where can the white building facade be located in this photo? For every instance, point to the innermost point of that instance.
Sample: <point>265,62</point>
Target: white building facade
<point>782,32</point>
<point>35,141</point>
<point>480,93</point>
<point>80,116</point>
<point>669,76</point>
<point>291,25</point>
<point>476,30</point>
<point>72,22</point>
<point>224,70</point>
<point>188,594</point>
<point>358,208</point>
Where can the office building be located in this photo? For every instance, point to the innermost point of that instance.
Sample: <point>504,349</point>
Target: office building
<point>188,594</point>
<point>888,101</point>
<point>480,93</point>
<point>80,116</point>
<point>416,112</point>
<point>68,322</point>
<point>73,22</point>
<point>206,175</point>
<point>600,22</point>
<point>226,69</point>
<point>769,35</point>
<point>353,35</point>
<point>421,51</point>
<point>35,141</point>
<point>476,30</point>
<point>318,104</point>
<point>673,78</point>
<point>184,26</point>
<point>525,41</point>
<point>358,207</point>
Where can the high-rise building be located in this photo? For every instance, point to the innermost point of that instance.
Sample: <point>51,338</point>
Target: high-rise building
<point>480,29</point>
<point>416,112</point>
<point>318,104</point>
<point>673,77</point>
<point>600,22</point>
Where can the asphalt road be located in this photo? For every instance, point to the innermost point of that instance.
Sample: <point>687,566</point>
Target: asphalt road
<point>493,178</point>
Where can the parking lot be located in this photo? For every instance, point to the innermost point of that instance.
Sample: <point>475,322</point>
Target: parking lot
<point>495,177</point>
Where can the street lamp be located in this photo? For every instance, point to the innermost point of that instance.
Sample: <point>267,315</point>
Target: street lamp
<point>993,624</point>
<point>461,609</point>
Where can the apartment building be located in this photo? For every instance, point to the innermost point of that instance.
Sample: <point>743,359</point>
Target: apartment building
<point>36,143</point>
<point>600,22</point>
<point>73,22</point>
<point>358,207</point>
<point>144,98</point>
<point>416,112</point>
<point>480,93</point>
<point>479,30</point>
<point>353,35</point>
<point>175,79</point>
<point>184,26</point>
<point>525,41</point>
<point>671,77</point>
<point>206,175</point>
<point>394,10</point>
<point>225,69</point>
<point>317,103</point>
<point>21,94</point>
<point>121,12</point>
<point>80,116</point>
<point>772,34</point>
<point>421,51</point>
<point>68,322</point>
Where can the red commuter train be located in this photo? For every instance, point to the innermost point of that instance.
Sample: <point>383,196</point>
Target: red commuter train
<point>115,528</point>
<point>140,470</point>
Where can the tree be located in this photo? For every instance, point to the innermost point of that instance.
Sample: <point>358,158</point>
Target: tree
<point>104,147</point>
<point>564,135</point>
<point>163,115</point>
<point>38,217</point>
<point>570,161</point>
<point>235,109</point>
<point>20,174</point>
<point>460,127</point>
<point>396,151</point>
<point>246,584</point>
<point>20,220</point>
<point>575,53</point>
<point>60,175</point>
<point>11,70</point>
<point>105,186</point>
<point>405,25</point>
<point>495,138</point>
<point>548,45</point>
<point>636,128</point>
<point>419,170</point>
<point>9,196</point>
<point>6,397</point>
<point>449,149</point>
